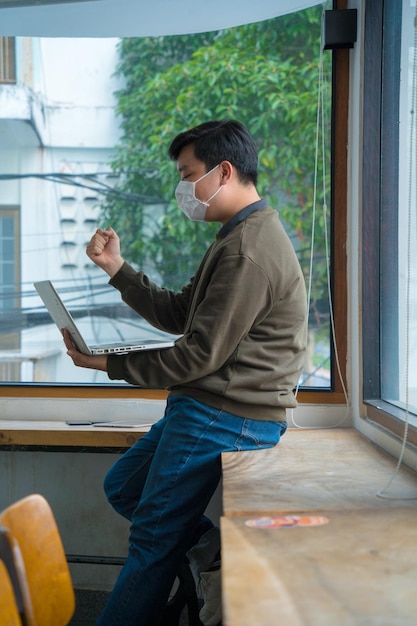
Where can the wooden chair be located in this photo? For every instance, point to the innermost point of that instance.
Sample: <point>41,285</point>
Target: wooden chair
<point>9,614</point>
<point>40,566</point>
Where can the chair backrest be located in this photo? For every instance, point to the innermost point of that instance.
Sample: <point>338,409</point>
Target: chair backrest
<point>41,567</point>
<point>9,614</point>
<point>12,560</point>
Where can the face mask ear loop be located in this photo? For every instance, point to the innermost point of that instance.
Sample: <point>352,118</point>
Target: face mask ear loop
<point>213,196</point>
<point>216,192</point>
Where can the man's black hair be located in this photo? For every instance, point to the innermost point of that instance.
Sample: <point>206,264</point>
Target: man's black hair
<point>217,141</point>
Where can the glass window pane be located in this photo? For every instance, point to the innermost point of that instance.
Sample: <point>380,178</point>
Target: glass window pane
<point>113,169</point>
<point>402,339</point>
<point>7,263</point>
<point>7,227</point>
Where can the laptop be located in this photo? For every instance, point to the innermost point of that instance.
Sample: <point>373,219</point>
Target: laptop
<point>144,427</point>
<point>63,319</point>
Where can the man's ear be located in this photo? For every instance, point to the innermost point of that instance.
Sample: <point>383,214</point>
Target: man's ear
<point>227,171</point>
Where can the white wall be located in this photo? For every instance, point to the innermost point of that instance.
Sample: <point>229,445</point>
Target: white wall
<point>70,101</point>
<point>72,484</point>
<point>59,118</point>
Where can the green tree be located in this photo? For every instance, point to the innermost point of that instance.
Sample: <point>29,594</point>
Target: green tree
<point>264,74</point>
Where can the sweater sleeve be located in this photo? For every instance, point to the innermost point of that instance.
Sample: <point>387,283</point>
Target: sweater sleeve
<point>236,296</point>
<point>162,308</point>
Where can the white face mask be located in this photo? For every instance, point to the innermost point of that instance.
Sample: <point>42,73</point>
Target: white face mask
<point>193,208</point>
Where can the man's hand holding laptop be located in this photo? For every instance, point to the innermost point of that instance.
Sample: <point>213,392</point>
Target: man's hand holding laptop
<point>94,362</point>
<point>104,250</point>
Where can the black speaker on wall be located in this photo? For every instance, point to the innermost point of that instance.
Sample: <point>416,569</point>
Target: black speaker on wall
<point>340,28</point>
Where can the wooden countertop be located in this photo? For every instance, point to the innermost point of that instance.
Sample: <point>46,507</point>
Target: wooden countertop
<point>50,433</point>
<point>359,568</point>
<point>311,470</point>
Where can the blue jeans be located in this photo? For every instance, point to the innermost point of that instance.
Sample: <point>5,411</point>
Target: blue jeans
<point>163,485</point>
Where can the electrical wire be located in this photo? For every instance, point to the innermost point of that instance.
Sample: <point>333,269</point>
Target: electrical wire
<point>99,186</point>
<point>320,131</point>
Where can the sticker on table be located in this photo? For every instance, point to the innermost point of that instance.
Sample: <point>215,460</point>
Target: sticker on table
<point>286,521</point>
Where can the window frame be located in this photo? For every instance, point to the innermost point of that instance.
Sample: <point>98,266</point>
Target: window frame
<point>7,60</point>
<point>13,212</point>
<point>12,340</point>
<point>380,203</point>
<point>334,395</point>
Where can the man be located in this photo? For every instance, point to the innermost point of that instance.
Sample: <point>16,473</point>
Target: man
<point>230,376</point>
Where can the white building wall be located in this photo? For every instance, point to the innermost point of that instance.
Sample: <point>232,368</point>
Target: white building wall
<point>71,92</point>
<point>58,118</point>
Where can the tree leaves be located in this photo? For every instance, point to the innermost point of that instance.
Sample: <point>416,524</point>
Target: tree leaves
<point>264,74</point>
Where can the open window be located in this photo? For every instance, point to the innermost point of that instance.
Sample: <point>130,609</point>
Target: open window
<point>389,217</point>
<point>265,73</point>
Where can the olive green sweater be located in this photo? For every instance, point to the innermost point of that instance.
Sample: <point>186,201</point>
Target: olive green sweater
<point>242,319</point>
